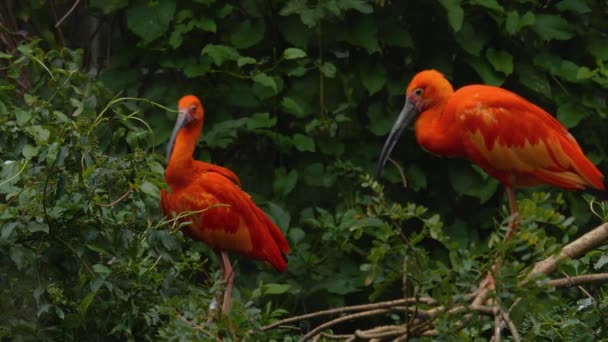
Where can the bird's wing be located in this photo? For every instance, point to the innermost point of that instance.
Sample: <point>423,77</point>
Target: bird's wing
<point>227,219</point>
<point>519,143</point>
<point>202,167</point>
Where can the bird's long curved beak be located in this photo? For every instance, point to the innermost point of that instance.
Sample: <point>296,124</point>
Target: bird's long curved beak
<point>182,120</point>
<point>405,118</point>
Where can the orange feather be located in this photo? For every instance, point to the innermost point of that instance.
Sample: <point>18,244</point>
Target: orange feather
<point>512,139</point>
<point>226,219</point>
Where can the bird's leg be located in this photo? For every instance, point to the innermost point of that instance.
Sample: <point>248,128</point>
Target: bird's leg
<point>515,217</point>
<point>488,283</point>
<point>228,279</point>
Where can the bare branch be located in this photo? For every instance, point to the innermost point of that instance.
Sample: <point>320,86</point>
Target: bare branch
<point>511,325</point>
<point>600,278</point>
<point>578,247</point>
<point>328,324</point>
<point>390,303</point>
<point>67,13</point>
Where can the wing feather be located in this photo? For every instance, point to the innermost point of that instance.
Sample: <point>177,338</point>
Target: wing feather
<point>228,219</point>
<point>519,143</point>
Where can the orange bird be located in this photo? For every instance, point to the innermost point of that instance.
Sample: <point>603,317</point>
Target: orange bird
<point>513,140</point>
<point>209,198</point>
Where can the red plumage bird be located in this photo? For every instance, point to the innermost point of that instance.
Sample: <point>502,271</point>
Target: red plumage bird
<point>513,140</point>
<point>225,217</point>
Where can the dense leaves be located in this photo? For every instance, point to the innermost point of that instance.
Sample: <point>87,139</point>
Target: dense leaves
<point>299,96</point>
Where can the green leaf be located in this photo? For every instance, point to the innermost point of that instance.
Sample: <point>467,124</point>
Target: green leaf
<point>280,215</point>
<point>284,182</point>
<point>261,120</point>
<point>380,122</point>
<point>487,73</point>
<point>328,69</point>
<point>150,19</point>
<point>23,116</point>
<point>296,235</point>
<point>247,34</point>
<point>108,6</point>
<point>20,256</point>
<point>455,13</point>
<point>206,24</point>
<point>192,70</point>
<point>550,27</point>
<point>534,79</point>
<point>472,182</point>
<point>101,269</point>
<point>308,16</point>
<point>527,19</point>
<point>150,189</point>
<point>303,143</point>
<point>220,53</point>
<point>363,33</point>
<point>373,78</point>
<point>596,45</point>
<point>291,106</point>
<point>358,5</point>
<point>244,61</point>
<point>501,60</point>
<point>295,32</point>
<point>266,81</point>
<point>603,260</point>
<point>576,6</point>
<point>570,114</point>
<point>512,22</point>
<point>86,302</point>
<point>29,151</point>
<point>471,40</point>
<point>276,289</point>
<point>40,133</point>
<point>489,4</point>
<point>35,226</point>
<point>416,178</point>
<point>293,53</point>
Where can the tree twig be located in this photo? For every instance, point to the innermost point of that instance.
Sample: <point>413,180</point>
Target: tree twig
<point>117,200</point>
<point>599,278</point>
<point>67,14</point>
<point>578,247</point>
<point>390,303</point>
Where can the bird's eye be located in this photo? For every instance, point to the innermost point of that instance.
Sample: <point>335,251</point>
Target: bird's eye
<point>418,92</point>
<point>192,109</point>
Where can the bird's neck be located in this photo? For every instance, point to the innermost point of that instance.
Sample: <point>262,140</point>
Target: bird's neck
<point>181,157</point>
<point>434,130</point>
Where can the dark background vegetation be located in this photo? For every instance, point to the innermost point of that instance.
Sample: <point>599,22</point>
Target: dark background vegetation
<point>299,97</point>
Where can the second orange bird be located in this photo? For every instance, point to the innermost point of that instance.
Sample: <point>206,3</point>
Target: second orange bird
<point>513,140</point>
<point>209,198</point>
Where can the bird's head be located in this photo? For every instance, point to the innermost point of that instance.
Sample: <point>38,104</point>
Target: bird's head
<point>426,89</point>
<point>190,113</point>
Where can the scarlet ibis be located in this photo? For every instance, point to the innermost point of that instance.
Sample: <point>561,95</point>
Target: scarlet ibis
<point>510,138</point>
<point>209,198</point>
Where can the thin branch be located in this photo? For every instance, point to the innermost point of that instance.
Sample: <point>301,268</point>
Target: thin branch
<point>400,169</point>
<point>382,331</point>
<point>328,324</point>
<point>578,247</point>
<point>511,325</point>
<point>118,200</point>
<point>390,303</point>
<point>65,16</point>
<point>600,278</point>
<point>197,327</point>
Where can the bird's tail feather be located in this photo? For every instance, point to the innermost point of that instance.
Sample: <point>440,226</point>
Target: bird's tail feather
<point>600,194</point>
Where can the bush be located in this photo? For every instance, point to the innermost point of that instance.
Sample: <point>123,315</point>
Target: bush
<point>299,96</point>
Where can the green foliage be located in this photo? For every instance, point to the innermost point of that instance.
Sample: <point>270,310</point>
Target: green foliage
<point>299,96</point>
